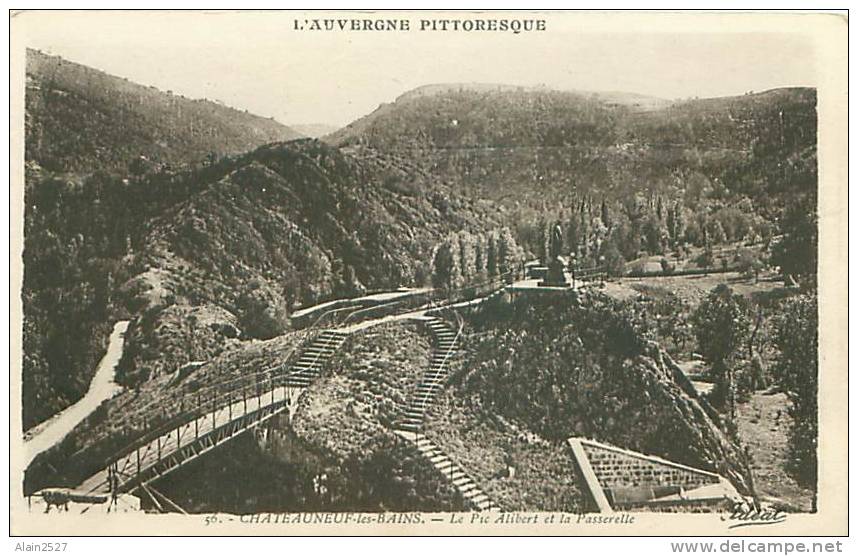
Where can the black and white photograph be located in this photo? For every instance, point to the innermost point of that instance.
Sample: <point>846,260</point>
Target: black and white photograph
<point>428,272</point>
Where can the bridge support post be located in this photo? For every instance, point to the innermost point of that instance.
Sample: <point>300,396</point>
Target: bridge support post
<point>159,448</point>
<point>113,483</point>
<point>137,453</point>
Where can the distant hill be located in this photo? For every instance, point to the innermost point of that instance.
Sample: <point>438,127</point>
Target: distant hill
<point>314,131</point>
<point>115,121</point>
<point>535,145</point>
<point>632,100</point>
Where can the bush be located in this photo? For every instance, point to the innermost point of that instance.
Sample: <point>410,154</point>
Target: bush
<point>262,313</point>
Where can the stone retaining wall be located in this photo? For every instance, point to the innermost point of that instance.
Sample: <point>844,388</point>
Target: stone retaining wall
<point>615,467</point>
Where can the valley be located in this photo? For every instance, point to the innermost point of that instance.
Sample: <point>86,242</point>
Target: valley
<point>426,310</point>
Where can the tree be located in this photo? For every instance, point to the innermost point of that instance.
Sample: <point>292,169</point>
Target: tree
<point>573,233</point>
<point>796,253</point>
<point>584,234</point>
<point>543,239</point>
<point>509,254</point>
<point>795,370</point>
<point>749,263</point>
<point>715,232</point>
<point>675,224</point>
<point>480,257</point>
<point>654,235</point>
<point>606,216</point>
<point>352,286</point>
<point>446,273</point>
<point>707,258</point>
<point>262,312</point>
<point>721,325</point>
<point>492,254</point>
<point>615,263</point>
<point>467,255</point>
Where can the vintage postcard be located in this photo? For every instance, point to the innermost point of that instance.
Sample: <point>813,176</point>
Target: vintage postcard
<point>428,273</point>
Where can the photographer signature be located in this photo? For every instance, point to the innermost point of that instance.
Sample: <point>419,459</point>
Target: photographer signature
<point>746,513</point>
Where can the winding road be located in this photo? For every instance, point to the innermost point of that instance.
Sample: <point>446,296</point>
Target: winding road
<point>103,387</point>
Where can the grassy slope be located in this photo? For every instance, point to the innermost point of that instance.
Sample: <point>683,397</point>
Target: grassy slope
<point>764,426</point>
<point>691,289</point>
<point>346,414</point>
<point>545,476</point>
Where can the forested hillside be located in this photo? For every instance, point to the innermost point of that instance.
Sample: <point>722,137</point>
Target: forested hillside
<point>542,145</point>
<point>218,251</point>
<point>116,121</point>
<point>285,226</point>
<point>624,176</point>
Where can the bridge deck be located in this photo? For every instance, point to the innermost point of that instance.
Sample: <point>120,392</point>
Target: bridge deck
<point>190,440</point>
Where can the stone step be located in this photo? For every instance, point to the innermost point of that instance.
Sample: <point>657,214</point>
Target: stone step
<point>469,489</point>
<point>423,397</point>
<point>461,479</point>
<point>315,350</point>
<point>480,498</point>
<point>445,467</point>
<point>430,451</point>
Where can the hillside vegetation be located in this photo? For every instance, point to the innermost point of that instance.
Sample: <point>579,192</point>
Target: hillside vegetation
<point>287,225</point>
<point>526,147</point>
<point>582,366</point>
<point>116,121</point>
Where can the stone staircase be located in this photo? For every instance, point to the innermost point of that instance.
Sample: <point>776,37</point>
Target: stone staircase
<point>432,380</point>
<point>451,470</point>
<point>309,364</point>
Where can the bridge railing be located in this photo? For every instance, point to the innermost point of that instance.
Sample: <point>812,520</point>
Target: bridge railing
<point>194,404</point>
<point>589,273</point>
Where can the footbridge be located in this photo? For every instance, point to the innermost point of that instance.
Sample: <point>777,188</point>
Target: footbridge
<point>198,422</point>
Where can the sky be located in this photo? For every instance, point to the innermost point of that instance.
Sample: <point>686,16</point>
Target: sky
<point>259,62</point>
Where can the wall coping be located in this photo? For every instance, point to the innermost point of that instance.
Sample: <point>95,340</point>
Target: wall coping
<point>590,479</point>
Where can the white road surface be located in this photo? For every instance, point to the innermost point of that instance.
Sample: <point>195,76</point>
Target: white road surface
<point>103,387</point>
